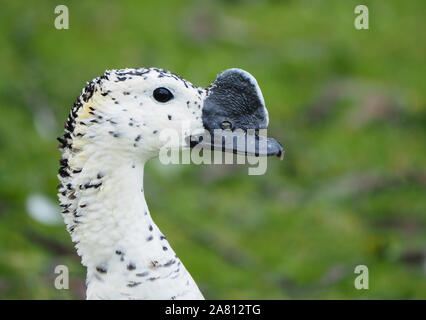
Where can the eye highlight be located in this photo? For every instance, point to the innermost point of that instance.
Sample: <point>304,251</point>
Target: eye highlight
<point>162,94</point>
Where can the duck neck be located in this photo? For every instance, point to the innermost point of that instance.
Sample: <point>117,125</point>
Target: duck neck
<point>125,253</point>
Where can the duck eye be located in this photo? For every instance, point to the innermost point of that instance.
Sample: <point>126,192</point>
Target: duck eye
<point>162,94</point>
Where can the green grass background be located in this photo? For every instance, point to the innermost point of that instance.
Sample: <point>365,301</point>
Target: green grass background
<point>348,106</point>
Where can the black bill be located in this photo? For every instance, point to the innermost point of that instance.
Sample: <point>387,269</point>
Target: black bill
<point>233,113</point>
<point>238,142</point>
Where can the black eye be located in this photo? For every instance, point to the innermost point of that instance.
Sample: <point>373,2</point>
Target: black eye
<point>162,94</point>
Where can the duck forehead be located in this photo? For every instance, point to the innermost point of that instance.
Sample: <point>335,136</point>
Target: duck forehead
<point>134,91</point>
<point>145,77</point>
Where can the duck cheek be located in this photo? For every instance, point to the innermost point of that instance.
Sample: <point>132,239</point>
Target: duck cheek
<point>194,127</point>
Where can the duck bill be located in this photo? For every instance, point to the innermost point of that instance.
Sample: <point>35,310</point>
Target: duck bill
<point>233,115</point>
<point>248,143</point>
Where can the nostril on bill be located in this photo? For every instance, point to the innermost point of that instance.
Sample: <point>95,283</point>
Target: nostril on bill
<point>226,125</point>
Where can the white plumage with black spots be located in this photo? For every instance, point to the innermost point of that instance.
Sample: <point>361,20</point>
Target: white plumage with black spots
<point>113,129</point>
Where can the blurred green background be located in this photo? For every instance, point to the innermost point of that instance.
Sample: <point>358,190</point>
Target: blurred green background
<point>348,105</point>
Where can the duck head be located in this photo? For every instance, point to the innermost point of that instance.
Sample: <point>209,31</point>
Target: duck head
<point>126,110</point>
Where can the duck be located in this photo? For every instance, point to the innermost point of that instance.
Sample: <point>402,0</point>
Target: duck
<point>112,131</point>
